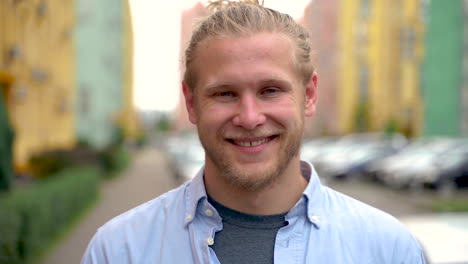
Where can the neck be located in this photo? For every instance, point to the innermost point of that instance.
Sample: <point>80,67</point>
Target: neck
<point>276,198</point>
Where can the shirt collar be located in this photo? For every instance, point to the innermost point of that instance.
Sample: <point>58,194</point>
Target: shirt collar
<point>194,195</point>
<point>312,195</point>
<point>311,202</point>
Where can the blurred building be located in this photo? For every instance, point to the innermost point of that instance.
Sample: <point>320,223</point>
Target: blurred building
<point>464,91</point>
<point>104,71</point>
<point>381,44</point>
<point>188,20</point>
<point>445,91</point>
<point>128,117</point>
<point>320,19</point>
<point>37,74</point>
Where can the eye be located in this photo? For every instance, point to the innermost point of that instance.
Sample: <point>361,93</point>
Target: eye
<point>270,91</point>
<point>225,94</point>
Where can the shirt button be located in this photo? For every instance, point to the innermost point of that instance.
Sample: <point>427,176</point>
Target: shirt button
<point>188,217</point>
<point>315,218</point>
<point>210,241</point>
<point>208,212</point>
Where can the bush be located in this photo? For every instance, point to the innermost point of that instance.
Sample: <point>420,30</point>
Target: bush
<point>114,159</point>
<point>31,217</point>
<point>49,163</point>
<point>6,144</point>
<point>450,205</point>
<point>45,164</point>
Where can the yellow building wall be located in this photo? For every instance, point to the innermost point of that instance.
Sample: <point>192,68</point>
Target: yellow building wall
<point>129,119</point>
<point>37,52</point>
<point>347,90</point>
<point>383,62</point>
<point>379,43</point>
<point>411,111</point>
<point>131,122</point>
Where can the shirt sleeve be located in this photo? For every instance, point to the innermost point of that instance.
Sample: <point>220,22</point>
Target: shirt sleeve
<point>95,253</point>
<point>408,251</point>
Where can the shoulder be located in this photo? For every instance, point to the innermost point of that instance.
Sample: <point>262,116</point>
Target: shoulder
<point>344,206</point>
<point>133,231</point>
<point>384,235</point>
<point>161,207</point>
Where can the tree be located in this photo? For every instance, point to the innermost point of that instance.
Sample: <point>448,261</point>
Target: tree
<point>6,144</point>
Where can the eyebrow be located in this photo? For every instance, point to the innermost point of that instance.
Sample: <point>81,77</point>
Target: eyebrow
<point>214,87</point>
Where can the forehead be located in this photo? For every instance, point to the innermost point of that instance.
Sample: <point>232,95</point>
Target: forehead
<point>252,45</point>
<point>256,54</point>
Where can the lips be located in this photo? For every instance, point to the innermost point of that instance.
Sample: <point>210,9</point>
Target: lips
<point>251,142</point>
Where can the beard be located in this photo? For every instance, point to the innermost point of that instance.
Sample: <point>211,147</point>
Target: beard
<point>262,177</point>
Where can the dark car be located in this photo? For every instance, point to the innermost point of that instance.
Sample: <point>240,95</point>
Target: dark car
<point>351,155</point>
<point>450,168</point>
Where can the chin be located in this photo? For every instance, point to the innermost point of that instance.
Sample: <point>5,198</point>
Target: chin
<point>254,179</point>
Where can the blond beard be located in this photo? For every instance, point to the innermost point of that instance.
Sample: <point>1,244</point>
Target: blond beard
<point>253,182</point>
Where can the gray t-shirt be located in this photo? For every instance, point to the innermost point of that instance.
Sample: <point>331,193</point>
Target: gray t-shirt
<point>246,238</point>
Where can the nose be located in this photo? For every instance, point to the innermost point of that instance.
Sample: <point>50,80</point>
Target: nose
<point>249,113</point>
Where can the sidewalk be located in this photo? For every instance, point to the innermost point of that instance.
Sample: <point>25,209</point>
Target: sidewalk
<point>147,177</point>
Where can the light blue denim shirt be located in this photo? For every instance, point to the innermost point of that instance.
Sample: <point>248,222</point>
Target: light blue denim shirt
<point>324,227</point>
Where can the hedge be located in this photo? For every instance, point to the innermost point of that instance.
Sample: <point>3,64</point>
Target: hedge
<point>450,205</point>
<point>30,218</point>
<point>114,160</point>
<point>6,143</point>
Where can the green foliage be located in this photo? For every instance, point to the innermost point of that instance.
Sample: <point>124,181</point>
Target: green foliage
<point>30,218</point>
<point>163,124</point>
<point>118,136</point>
<point>6,143</point>
<point>391,127</point>
<point>49,163</point>
<point>114,159</point>
<point>362,117</point>
<point>142,140</point>
<point>450,205</point>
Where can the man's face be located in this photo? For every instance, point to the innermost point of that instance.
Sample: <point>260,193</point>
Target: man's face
<point>249,105</point>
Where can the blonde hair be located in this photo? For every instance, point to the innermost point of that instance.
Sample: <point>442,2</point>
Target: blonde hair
<point>232,19</point>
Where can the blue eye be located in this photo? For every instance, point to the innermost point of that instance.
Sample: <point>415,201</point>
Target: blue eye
<point>270,91</point>
<point>224,94</point>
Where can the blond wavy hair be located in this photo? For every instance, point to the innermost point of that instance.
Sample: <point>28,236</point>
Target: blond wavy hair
<point>245,18</point>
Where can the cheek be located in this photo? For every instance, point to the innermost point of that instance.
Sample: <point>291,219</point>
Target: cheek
<point>213,116</point>
<point>288,110</point>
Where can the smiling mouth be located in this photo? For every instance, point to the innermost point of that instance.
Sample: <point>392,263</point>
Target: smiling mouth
<point>251,142</point>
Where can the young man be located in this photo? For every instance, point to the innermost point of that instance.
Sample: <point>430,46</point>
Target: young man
<point>249,85</point>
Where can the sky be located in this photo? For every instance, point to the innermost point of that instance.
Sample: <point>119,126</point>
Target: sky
<point>156,29</point>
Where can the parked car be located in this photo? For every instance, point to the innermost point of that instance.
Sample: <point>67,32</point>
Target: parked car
<point>186,155</point>
<point>443,237</point>
<point>432,161</point>
<point>312,149</point>
<point>350,155</point>
<point>450,169</point>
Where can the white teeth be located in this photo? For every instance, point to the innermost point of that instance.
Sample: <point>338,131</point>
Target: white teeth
<point>251,143</point>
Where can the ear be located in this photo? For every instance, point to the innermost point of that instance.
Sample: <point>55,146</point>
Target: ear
<point>189,103</point>
<point>311,95</point>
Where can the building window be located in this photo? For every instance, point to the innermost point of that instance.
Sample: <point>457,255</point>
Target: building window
<point>365,9</point>
<point>363,83</point>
